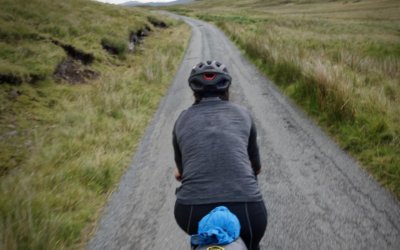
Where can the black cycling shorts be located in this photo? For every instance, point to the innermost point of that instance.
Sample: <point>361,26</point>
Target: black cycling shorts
<point>252,216</point>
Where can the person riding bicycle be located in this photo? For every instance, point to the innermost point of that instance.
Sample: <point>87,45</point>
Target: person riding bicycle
<point>217,157</point>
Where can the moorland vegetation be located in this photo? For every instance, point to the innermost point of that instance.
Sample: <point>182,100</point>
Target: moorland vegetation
<point>339,60</point>
<point>79,82</point>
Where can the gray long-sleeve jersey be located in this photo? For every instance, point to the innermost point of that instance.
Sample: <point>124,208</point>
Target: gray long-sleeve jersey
<point>216,153</point>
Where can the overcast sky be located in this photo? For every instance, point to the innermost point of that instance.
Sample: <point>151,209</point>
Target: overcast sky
<point>124,1</point>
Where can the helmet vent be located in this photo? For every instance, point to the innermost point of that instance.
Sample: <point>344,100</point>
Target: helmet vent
<point>209,76</point>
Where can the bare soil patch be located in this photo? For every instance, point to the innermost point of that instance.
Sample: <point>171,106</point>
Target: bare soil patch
<point>74,72</point>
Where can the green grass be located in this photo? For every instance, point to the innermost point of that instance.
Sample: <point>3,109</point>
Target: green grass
<point>64,147</point>
<point>26,28</point>
<point>338,59</point>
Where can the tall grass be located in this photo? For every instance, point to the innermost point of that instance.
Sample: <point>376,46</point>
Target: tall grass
<point>68,145</point>
<point>356,97</point>
<point>29,54</point>
<point>53,199</point>
<point>339,60</point>
<point>27,27</point>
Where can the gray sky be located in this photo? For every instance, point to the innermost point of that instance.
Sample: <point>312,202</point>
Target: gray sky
<point>123,1</point>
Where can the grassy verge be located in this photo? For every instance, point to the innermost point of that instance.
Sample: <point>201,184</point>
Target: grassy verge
<point>339,60</point>
<point>64,147</point>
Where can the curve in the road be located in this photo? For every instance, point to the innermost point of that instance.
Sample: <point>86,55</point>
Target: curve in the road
<point>317,196</point>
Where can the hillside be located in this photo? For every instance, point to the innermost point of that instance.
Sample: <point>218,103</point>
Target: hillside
<point>79,82</point>
<point>339,60</point>
<point>156,4</point>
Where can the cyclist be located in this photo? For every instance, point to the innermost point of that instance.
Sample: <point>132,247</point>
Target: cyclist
<point>217,157</point>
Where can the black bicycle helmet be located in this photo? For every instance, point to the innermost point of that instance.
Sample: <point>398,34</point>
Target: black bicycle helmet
<point>209,76</point>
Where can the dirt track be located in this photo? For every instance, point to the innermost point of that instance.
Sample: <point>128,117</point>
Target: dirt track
<point>317,196</point>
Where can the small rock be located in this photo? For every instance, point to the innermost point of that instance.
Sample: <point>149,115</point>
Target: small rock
<point>11,133</point>
<point>131,46</point>
<point>14,94</point>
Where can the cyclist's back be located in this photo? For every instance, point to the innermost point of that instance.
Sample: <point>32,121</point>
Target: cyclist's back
<point>217,158</point>
<point>213,137</point>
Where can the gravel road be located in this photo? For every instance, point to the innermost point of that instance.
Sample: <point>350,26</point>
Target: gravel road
<point>317,196</point>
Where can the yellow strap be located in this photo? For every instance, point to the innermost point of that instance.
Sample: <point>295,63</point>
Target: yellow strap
<point>215,248</point>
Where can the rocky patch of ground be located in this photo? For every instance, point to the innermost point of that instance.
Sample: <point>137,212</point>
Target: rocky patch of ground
<point>74,71</point>
<point>135,38</point>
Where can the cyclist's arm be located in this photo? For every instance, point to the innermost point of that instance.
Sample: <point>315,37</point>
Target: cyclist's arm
<point>253,151</point>
<point>177,153</point>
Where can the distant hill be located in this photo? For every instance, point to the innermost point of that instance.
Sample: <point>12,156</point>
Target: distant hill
<point>136,3</point>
